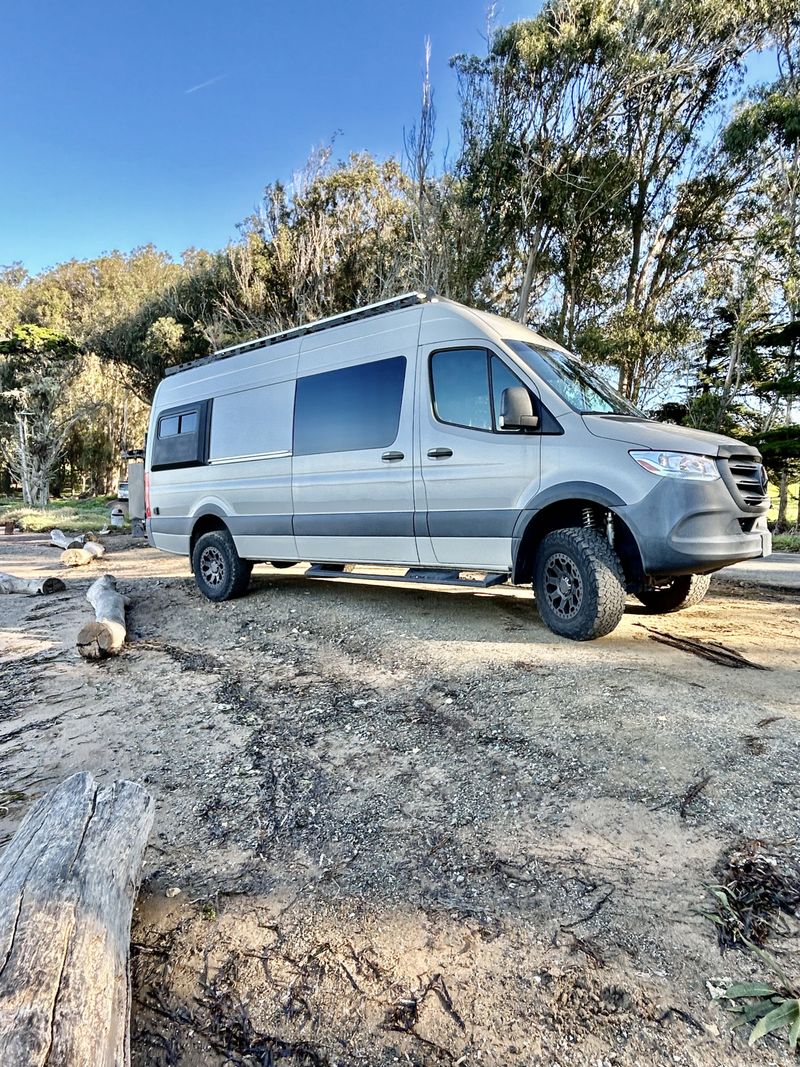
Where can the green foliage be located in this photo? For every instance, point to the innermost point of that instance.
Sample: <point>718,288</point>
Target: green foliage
<point>774,115</point>
<point>766,1009</point>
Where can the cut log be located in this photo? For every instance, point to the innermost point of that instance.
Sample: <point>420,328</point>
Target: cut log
<point>29,586</point>
<point>62,540</point>
<point>79,557</point>
<point>68,880</point>
<point>106,635</point>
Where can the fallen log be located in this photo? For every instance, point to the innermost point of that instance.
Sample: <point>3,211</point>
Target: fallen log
<point>61,540</point>
<point>68,880</point>
<point>106,635</point>
<point>9,583</point>
<point>79,557</point>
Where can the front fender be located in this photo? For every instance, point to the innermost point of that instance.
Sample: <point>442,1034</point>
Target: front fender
<point>565,493</point>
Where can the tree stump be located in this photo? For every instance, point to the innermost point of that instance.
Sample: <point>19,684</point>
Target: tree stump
<point>68,880</point>
<point>9,583</point>
<point>106,635</point>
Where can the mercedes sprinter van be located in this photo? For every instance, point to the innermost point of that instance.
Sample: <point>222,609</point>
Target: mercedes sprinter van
<point>457,445</point>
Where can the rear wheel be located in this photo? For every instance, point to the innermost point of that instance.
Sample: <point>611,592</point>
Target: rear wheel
<point>682,592</point>
<point>579,583</point>
<point>219,571</point>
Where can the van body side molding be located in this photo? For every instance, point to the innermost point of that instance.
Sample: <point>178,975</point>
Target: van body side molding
<point>477,523</point>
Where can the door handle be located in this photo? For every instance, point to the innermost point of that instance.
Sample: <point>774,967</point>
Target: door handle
<point>439,453</point>
<point>389,457</point>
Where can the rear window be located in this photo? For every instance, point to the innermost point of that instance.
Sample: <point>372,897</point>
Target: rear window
<point>349,409</point>
<point>181,438</point>
<point>172,425</point>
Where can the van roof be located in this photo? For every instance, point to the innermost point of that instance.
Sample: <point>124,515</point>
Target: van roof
<point>504,328</point>
<point>368,311</point>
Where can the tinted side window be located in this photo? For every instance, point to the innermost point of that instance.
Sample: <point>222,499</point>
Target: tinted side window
<point>460,384</point>
<point>171,425</point>
<point>349,409</point>
<point>182,438</point>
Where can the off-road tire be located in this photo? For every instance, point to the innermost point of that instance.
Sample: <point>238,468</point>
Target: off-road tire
<point>591,602</point>
<point>219,571</point>
<point>682,592</point>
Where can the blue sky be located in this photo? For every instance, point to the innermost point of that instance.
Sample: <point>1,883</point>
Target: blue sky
<point>125,123</point>
<point>128,123</point>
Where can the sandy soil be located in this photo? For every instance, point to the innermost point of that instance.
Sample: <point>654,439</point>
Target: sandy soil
<point>413,826</point>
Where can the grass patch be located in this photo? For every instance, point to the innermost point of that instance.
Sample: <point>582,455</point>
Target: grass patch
<point>67,513</point>
<point>787,542</point>
<point>774,494</point>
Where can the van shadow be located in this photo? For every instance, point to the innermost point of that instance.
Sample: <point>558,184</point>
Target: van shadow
<point>507,615</point>
<point>477,614</point>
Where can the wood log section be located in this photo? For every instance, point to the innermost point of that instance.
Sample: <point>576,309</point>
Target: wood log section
<point>9,583</point>
<point>68,880</point>
<point>79,557</point>
<point>106,635</point>
<point>62,540</point>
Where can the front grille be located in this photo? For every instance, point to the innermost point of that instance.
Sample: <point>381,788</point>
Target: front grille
<point>744,476</point>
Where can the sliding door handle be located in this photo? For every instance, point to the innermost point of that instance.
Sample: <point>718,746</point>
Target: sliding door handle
<point>439,453</point>
<point>390,457</point>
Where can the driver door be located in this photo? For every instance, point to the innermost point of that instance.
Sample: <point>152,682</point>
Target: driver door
<point>474,475</point>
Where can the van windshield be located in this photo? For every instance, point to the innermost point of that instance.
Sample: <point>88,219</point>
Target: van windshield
<point>574,382</point>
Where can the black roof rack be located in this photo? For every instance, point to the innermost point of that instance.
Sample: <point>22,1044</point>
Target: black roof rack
<point>392,304</point>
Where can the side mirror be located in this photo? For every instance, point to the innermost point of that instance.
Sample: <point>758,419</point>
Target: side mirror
<point>516,410</point>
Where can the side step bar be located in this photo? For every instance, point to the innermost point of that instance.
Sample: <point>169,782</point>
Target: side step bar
<point>413,576</point>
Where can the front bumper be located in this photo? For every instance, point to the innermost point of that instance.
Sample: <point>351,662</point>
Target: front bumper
<point>687,527</point>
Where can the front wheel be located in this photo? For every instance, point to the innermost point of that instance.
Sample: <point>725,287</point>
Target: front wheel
<point>579,583</point>
<point>682,592</point>
<point>219,570</point>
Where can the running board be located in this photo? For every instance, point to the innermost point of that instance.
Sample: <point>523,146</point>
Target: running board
<point>413,576</point>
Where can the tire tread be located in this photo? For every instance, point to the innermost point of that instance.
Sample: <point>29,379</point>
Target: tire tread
<point>681,594</point>
<point>609,576</point>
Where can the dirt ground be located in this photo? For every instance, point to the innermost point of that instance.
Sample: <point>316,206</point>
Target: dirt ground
<point>412,825</point>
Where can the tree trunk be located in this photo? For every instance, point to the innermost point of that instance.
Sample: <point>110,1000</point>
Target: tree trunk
<point>68,880</point>
<point>30,586</point>
<point>530,273</point>
<point>62,540</point>
<point>24,476</point>
<point>79,557</point>
<point>783,500</point>
<point>106,635</point>
<point>622,380</point>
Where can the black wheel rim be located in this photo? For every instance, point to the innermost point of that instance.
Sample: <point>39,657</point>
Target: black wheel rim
<point>212,566</point>
<point>563,587</point>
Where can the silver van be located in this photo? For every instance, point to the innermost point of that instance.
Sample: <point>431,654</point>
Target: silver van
<point>457,445</point>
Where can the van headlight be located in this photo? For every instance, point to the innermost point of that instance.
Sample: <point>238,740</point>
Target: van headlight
<point>678,465</point>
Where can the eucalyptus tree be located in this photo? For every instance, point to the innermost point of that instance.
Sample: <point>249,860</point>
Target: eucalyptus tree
<point>586,147</point>
<point>534,110</point>
<point>679,65</point>
<point>765,136</point>
<point>36,366</point>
